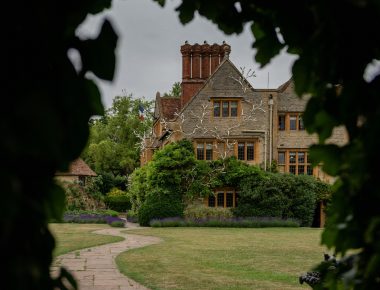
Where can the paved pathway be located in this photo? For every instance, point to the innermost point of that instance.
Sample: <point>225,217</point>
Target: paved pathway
<point>95,268</point>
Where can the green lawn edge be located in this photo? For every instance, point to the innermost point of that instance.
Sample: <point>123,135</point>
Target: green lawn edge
<point>81,237</point>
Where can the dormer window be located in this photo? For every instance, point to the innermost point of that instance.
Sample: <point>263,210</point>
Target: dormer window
<point>225,108</point>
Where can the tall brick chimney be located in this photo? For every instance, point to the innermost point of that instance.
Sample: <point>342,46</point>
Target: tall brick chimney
<point>198,63</point>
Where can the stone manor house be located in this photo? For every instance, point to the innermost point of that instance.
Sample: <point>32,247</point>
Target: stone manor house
<point>224,115</point>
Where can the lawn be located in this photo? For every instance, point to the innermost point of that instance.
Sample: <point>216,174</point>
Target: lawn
<point>220,258</point>
<point>71,237</point>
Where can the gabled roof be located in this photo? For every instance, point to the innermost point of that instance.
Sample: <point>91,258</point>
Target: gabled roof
<point>224,62</point>
<point>284,86</point>
<point>78,168</point>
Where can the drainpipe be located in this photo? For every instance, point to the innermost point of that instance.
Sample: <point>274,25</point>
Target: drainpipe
<point>265,150</point>
<point>270,103</point>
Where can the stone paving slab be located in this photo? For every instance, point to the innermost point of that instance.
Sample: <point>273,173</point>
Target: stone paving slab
<point>95,268</point>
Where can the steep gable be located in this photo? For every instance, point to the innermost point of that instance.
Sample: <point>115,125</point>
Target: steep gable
<point>288,100</point>
<point>226,85</point>
<point>226,82</point>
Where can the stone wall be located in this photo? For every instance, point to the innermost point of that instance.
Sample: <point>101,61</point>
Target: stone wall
<point>248,125</point>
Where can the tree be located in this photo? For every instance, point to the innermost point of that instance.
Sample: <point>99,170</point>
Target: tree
<point>336,41</point>
<point>114,137</point>
<point>175,92</point>
<point>158,189</point>
<point>44,126</point>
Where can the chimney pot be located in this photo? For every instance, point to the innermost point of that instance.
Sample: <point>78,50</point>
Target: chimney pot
<point>186,62</point>
<point>226,49</point>
<point>205,60</point>
<point>215,49</point>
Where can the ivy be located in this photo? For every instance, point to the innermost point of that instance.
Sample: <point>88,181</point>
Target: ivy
<point>175,178</point>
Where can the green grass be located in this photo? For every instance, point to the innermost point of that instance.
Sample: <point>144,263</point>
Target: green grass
<point>71,237</point>
<point>220,258</point>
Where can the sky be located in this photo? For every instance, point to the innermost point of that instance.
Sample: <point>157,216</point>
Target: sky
<point>148,51</point>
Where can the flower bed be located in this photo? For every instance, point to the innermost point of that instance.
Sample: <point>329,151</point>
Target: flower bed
<point>93,217</point>
<point>246,222</point>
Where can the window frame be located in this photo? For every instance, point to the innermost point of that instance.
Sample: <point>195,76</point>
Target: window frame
<point>281,122</point>
<point>293,117</point>
<point>294,167</point>
<point>225,191</point>
<point>245,142</point>
<point>203,145</point>
<point>286,124</point>
<point>230,108</point>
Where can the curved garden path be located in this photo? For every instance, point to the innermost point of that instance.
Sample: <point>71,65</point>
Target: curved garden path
<point>95,268</point>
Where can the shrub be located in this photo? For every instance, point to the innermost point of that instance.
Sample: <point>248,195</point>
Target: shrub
<point>106,181</point>
<point>80,198</point>
<point>279,195</point>
<point>195,212</point>
<point>105,212</point>
<point>98,217</point>
<point>132,216</point>
<point>247,222</point>
<point>160,205</point>
<point>117,224</point>
<point>168,222</point>
<point>117,200</point>
<point>157,190</point>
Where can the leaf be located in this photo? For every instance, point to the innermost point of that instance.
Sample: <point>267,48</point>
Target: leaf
<point>325,125</point>
<point>98,6</point>
<point>98,55</point>
<point>55,203</point>
<point>266,42</point>
<point>373,230</point>
<point>160,2</point>
<point>69,277</point>
<point>186,11</point>
<point>301,75</point>
<point>329,155</point>
<point>317,120</point>
<point>94,95</point>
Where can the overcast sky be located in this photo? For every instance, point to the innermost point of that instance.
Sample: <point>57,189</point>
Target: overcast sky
<point>148,52</point>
